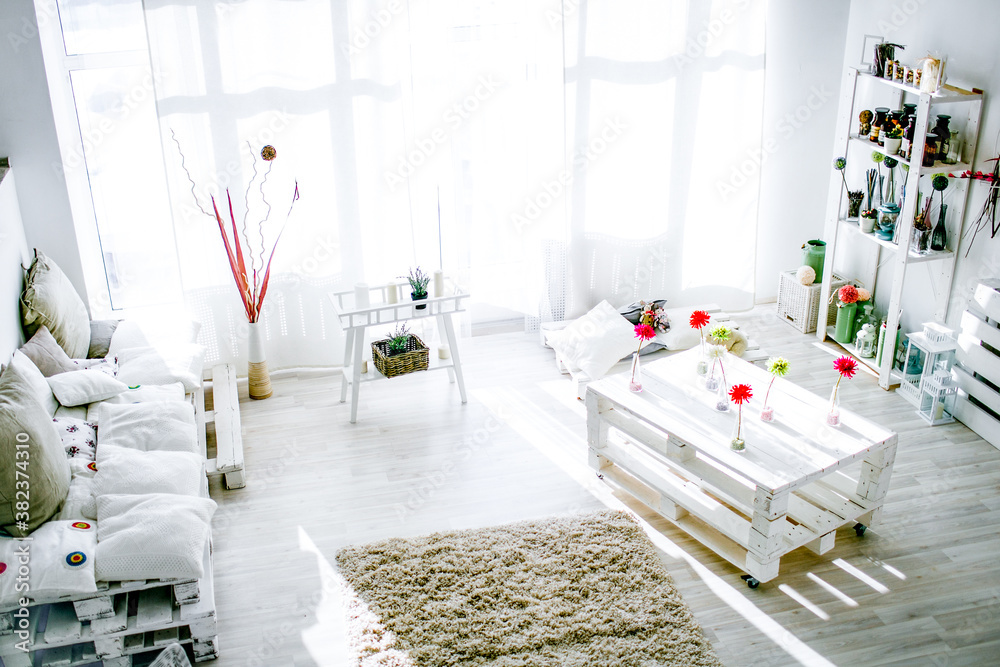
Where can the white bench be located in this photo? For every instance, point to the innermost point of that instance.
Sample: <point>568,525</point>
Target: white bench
<point>228,459</point>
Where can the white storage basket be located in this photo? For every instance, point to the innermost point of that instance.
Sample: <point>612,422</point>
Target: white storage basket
<point>798,304</point>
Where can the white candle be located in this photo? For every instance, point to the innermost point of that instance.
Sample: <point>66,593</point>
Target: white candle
<point>361,296</point>
<point>364,367</point>
<point>443,352</point>
<point>439,283</point>
<point>392,293</point>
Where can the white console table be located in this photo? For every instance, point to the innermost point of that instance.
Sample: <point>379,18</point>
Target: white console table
<point>355,320</point>
<point>670,449</point>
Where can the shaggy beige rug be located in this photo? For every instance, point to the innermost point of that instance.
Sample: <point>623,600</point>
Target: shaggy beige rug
<point>587,591</point>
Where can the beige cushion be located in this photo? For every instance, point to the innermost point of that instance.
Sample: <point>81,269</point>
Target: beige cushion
<point>23,420</point>
<point>50,300</point>
<point>101,332</point>
<point>42,391</point>
<point>47,355</point>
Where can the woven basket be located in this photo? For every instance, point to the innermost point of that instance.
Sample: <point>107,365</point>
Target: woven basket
<point>414,359</point>
<point>799,304</point>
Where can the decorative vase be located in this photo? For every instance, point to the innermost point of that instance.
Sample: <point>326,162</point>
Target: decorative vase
<point>891,145</point>
<point>854,200</point>
<point>921,241</point>
<point>415,297</point>
<point>939,237</point>
<point>814,255</point>
<point>737,443</point>
<point>635,383</point>
<point>833,410</point>
<point>259,378</point>
<point>722,398</point>
<point>844,330</point>
<point>767,414</point>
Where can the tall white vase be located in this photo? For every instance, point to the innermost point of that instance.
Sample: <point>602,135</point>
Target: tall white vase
<point>260,379</point>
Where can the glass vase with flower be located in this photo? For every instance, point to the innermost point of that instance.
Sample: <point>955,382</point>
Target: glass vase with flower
<point>846,367</point>
<point>740,394</point>
<point>643,332</point>
<point>777,367</point>
<point>699,320</point>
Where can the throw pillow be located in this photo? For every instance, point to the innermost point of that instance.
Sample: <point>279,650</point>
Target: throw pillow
<point>79,438</point>
<point>101,332</point>
<point>138,394</point>
<point>62,562</point>
<point>596,341</point>
<point>41,388</point>
<point>84,386</point>
<point>50,300</point>
<point>165,426</point>
<point>161,365</point>
<point>152,536</point>
<point>129,471</point>
<point>47,355</point>
<point>30,451</point>
<point>154,332</point>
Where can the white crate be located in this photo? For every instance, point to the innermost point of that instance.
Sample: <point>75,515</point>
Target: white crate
<point>798,304</point>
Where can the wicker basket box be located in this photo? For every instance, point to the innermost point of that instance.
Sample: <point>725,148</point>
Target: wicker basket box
<point>414,359</point>
<point>798,304</point>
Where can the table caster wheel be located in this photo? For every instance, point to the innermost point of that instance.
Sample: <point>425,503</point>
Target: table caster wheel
<point>860,529</point>
<point>752,581</point>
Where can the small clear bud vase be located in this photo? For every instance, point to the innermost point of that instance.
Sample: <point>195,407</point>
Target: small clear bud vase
<point>722,398</point>
<point>635,383</point>
<point>767,414</point>
<point>702,366</point>
<point>833,410</point>
<point>737,443</point>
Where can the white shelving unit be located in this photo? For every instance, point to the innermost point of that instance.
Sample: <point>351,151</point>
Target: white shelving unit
<point>844,235</point>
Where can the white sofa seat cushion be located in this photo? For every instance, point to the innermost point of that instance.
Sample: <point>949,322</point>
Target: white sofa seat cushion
<point>61,561</point>
<point>152,426</point>
<point>161,365</point>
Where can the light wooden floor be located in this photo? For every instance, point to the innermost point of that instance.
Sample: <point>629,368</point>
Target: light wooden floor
<point>418,461</point>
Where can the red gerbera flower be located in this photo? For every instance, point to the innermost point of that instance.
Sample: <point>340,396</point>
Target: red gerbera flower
<point>846,366</point>
<point>699,318</point>
<point>740,393</point>
<point>644,332</point>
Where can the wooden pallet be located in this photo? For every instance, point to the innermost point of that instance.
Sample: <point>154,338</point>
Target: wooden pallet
<point>978,369</point>
<point>225,415</point>
<point>122,621</point>
<point>580,379</point>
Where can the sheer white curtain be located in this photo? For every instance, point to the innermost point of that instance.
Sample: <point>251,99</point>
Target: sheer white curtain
<point>664,102</point>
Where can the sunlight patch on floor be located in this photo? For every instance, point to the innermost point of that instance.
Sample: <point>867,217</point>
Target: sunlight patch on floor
<point>538,429</point>
<point>803,600</point>
<point>860,576</point>
<point>833,590</point>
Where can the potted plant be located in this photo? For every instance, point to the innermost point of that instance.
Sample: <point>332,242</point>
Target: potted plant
<point>399,353</point>
<point>893,138</point>
<point>868,218</point>
<point>418,286</point>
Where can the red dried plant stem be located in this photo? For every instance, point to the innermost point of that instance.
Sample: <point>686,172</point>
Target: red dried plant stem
<point>233,266</point>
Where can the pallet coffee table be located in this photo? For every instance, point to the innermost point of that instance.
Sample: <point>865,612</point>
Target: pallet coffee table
<point>669,447</point>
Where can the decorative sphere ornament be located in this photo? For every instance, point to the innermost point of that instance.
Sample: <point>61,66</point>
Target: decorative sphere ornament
<point>268,153</point>
<point>806,275</point>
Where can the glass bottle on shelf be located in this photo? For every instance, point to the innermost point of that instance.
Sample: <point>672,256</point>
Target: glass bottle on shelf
<point>939,237</point>
<point>943,133</point>
<point>880,114</point>
<point>930,150</point>
<point>955,149</point>
<point>907,143</point>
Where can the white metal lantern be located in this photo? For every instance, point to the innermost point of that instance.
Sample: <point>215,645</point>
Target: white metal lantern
<point>937,398</point>
<point>928,352</point>
<point>865,342</point>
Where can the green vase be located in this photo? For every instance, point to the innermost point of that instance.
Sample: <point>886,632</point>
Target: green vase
<point>814,254</point>
<point>844,331</point>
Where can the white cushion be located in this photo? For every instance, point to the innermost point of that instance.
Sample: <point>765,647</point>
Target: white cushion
<point>141,394</point>
<point>84,386</point>
<point>167,426</point>
<point>34,376</point>
<point>130,471</point>
<point>161,365</point>
<point>61,560</point>
<point>597,341</point>
<point>682,336</point>
<point>152,536</point>
<point>81,494</point>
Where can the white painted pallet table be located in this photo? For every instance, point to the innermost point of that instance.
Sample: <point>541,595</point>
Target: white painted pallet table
<point>356,320</point>
<point>668,446</point>
<point>978,369</point>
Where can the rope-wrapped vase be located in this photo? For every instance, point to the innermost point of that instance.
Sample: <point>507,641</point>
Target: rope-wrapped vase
<point>260,379</point>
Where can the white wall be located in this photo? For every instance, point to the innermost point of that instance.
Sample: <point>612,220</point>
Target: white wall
<point>13,255</point>
<point>966,31</point>
<point>28,137</point>
<point>805,53</point>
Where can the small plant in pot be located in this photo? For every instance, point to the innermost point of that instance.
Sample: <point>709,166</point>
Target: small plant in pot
<point>396,340</point>
<point>418,286</point>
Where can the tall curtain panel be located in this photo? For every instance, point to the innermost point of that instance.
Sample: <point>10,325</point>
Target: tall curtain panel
<point>663,119</point>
